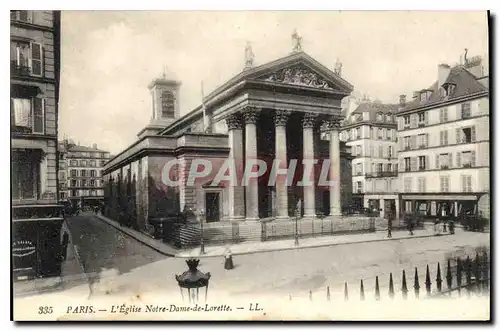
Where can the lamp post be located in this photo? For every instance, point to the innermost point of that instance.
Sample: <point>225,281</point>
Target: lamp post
<point>201,215</point>
<point>297,212</point>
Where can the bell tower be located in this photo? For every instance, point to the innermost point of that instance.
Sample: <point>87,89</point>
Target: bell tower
<point>165,94</point>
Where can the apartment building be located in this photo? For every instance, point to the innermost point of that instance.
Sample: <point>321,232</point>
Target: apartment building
<point>444,143</point>
<point>84,173</point>
<point>370,131</point>
<point>34,94</point>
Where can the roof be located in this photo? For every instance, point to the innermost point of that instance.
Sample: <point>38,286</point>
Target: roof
<point>376,107</point>
<point>465,84</point>
<point>78,148</point>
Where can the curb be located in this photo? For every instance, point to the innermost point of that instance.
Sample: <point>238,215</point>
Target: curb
<point>134,236</point>
<point>304,247</point>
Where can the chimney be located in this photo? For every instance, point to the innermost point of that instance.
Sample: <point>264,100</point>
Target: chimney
<point>94,146</point>
<point>402,100</point>
<point>416,95</point>
<point>443,73</point>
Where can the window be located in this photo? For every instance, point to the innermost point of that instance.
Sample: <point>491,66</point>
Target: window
<point>379,117</point>
<point>445,183</point>
<point>21,15</point>
<point>358,133</point>
<point>407,164</point>
<point>466,113</point>
<point>358,150</point>
<point>83,163</point>
<point>466,183</point>
<point>388,134</point>
<point>407,184</point>
<point>443,138</point>
<point>84,183</point>
<point>73,183</point>
<point>73,163</point>
<point>28,115</point>
<point>380,168</point>
<point>421,184</point>
<point>92,163</point>
<point>466,135</point>
<point>466,159</point>
<point>359,187</point>
<point>407,120</point>
<point>421,163</point>
<point>92,173</point>
<point>390,152</point>
<point>92,183</point>
<point>83,173</point>
<point>422,140</point>
<point>389,167</point>
<point>62,175</point>
<point>443,115</point>
<point>26,58</point>
<point>372,133</point>
<point>73,173</point>
<point>167,105</point>
<point>103,163</point>
<point>380,151</point>
<point>25,176</point>
<point>421,118</point>
<point>380,134</point>
<point>407,142</point>
<point>444,161</point>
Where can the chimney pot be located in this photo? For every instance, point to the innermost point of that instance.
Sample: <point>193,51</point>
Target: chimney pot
<point>402,99</point>
<point>94,146</point>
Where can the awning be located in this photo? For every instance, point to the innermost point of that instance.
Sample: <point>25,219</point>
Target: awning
<point>26,144</point>
<point>439,197</point>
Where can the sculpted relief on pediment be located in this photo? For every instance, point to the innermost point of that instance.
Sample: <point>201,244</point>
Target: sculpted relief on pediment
<point>298,75</point>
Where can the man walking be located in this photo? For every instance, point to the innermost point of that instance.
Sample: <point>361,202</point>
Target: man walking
<point>389,223</point>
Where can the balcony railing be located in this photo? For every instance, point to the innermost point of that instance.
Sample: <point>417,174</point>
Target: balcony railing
<point>421,124</point>
<point>19,70</point>
<point>379,174</point>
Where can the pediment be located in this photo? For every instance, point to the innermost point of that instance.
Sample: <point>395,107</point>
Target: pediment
<point>304,71</point>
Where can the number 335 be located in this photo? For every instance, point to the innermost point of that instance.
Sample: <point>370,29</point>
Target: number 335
<point>45,310</point>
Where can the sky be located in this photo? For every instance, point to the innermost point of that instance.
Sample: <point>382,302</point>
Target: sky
<point>108,58</point>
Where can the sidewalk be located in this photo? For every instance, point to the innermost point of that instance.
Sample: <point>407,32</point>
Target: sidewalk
<point>268,246</point>
<point>72,274</point>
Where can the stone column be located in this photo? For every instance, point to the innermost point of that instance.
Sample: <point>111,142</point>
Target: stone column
<point>280,120</point>
<point>251,115</point>
<point>382,207</point>
<point>308,155</point>
<point>397,207</point>
<point>335,198</point>
<point>236,191</point>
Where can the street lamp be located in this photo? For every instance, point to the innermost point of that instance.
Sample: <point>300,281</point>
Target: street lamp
<point>201,216</point>
<point>297,213</point>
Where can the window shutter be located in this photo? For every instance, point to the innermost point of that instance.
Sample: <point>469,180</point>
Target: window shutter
<point>36,59</point>
<point>401,144</point>
<point>401,164</point>
<point>441,115</point>
<point>473,158</point>
<point>473,133</point>
<point>413,163</point>
<point>437,161</point>
<point>413,142</point>
<point>413,120</point>
<point>427,164</point>
<point>450,160</point>
<point>441,138</point>
<point>459,163</point>
<point>459,135</point>
<point>462,177</point>
<point>426,118</point>
<point>446,137</point>
<point>38,115</point>
<point>426,140</point>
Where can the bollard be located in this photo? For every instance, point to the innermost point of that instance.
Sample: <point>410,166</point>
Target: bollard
<point>404,288</point>
<point>459,276</point>
<point>391,287</point>
<point>346,293</point>
<point>228,260</point>
<point>439,281</point>
<point>428,281</point>
<point>416,284</point>
<point>362,291</point>
<point>377,289</point>
<point>468,275</point>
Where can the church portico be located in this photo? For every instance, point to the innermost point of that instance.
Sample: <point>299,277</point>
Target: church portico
<point>264,129</point>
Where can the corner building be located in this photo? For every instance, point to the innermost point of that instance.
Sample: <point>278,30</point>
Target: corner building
<point>273,111</point>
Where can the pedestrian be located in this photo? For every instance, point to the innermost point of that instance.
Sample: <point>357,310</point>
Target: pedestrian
<point>389,224</point>
<point>228,259</point>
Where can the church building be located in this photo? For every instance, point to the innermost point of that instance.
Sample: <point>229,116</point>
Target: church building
<point>276,111</point>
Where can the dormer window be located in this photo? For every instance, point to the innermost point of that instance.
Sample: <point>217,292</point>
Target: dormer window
<point>379,117</point>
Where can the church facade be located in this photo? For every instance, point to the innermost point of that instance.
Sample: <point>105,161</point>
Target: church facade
<point>270,115</point>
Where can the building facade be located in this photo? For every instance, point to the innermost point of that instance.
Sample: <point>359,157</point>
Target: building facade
<point>83,173</point>
<point>444,143</point>
<point>34,60</point>
<point>370,131</point>
<point>275,111</point>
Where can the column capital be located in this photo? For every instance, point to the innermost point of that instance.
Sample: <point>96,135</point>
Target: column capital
<point>333,123</point>
<point>309,120</point>
<point>234,122</point>
<point>250,114</point>
<point>281,117</point>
